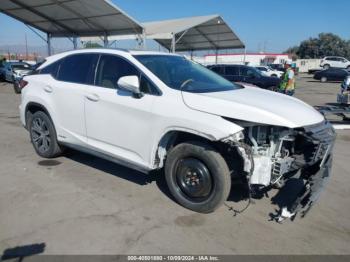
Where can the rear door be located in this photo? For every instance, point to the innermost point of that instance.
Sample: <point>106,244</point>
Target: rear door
<point>67,91</point>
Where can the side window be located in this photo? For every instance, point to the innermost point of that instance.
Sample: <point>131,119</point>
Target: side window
<point>78,68</point>
<point>246,71</point>
<point>51,69</point>
<point>232,70</point>
<point>217,69</point>
<point>111,68</point>
<point>146,86</point>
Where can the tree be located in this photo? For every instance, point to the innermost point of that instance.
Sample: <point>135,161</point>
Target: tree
<point>91,45</point>
<point>326,44</point>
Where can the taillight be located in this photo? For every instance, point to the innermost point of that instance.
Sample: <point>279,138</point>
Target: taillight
<point>22,84</point>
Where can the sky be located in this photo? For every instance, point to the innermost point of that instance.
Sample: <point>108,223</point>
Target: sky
<point>270,25</point>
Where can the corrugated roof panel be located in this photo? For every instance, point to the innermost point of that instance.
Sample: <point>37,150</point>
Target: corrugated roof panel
<point>72,17</point>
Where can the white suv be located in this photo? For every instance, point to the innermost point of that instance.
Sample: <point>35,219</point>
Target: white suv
<point>335,61</point>
<point>151,111</point>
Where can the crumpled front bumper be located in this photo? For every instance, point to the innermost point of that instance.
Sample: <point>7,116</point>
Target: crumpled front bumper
<point>315,178</point>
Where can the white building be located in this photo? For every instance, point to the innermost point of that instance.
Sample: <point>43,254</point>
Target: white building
<point>248,58</point>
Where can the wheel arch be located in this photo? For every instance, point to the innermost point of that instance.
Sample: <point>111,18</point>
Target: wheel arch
<point>173,137</point>
<point>33,107</point>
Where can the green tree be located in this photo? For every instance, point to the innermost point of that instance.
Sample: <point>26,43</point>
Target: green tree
<point>326,44</point>
<point>91,45</point>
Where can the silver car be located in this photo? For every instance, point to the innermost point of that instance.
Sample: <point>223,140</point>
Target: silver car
<point>13,71</point>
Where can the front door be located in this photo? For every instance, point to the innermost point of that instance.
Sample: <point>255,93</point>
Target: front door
<point>118,123</point>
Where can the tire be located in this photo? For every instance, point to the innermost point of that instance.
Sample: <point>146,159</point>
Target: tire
<point>274,75</point>
<point>207,190</point>
<point>327,66</point>
<point>43,135</point>
<point>348,68</point>
<point>16,88</point>
<point>324,79</point>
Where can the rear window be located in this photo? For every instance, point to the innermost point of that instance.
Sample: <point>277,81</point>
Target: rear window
<point>78,68</point>
<point>51,69</point>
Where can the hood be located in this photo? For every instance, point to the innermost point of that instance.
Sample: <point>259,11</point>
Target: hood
<point>255,105</point>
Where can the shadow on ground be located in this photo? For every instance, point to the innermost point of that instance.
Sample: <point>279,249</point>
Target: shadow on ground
<point>22,252</point>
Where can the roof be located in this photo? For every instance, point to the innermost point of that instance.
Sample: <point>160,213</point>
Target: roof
<point>248,54</point>
<point>72,17</point>
<point>194,33</point>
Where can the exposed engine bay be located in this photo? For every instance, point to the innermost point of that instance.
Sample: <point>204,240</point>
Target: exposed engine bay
<point>272,155</point>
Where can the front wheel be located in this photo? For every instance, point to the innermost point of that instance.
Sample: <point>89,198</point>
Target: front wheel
<point>326,67</point>
<point>43,135</point>
<point>197,176</point>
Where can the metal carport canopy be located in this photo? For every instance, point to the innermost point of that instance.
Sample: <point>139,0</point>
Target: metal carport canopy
<point>72,18</point>
<point>194,33</point>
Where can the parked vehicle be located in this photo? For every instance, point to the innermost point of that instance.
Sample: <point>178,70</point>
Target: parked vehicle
<point>2,71</point>
<point>278,67</point>
<point>335,61</point>
<point>268,71</point>
<point>17,86</point>
<point>331,74</point>
<point>16,70</point>
<point>150,110</point>
<point>246,74</point>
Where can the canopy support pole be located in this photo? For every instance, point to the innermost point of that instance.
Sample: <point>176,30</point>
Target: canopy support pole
<point>173,43</point>
<point>144,39</point>
<point>105,41</point>
<point>216,56</point>
<point>75,43</point>
<point>48,41</point>
<point>245,54</point>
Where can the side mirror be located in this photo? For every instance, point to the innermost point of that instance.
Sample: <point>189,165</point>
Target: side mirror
<point>131,84</point>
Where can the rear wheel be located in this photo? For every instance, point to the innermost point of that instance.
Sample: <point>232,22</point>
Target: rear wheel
<point>197,176</point>
<point>16,87</point>
<point>348,68</point>
<point>274,75</point>
<point>324,79</point>
<point>43,136</point>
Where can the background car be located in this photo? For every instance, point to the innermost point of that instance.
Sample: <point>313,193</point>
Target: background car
<point>331,74</point>
<point>278,67</point>
<point>335,61</point>
<point>246,74</point>
<point>268,71</point>
<point>2,71</point>
<point>16,70</point>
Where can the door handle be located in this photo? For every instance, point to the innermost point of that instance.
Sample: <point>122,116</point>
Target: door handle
<point>93,97</point>
<point>48,89</point>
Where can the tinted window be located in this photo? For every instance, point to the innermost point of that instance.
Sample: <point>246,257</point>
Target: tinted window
<point>51,69</point>
<point>111,68</point>
<point>78,69</point>
<point>232,70</point>
<point>217,69</point>
<point>249,72</point>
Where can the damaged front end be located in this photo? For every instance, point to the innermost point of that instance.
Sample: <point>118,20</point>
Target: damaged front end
<point>272,155</point>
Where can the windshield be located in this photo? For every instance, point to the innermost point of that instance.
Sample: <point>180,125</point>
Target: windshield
<point>20,66</point>
<point>180,73</point>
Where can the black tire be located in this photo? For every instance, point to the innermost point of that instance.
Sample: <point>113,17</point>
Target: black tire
<point>41,129</point>
<point>348,68</point>
<point>197,176</point>
<point>16,87</point>
<point>274,75</point>
<point>327,66</point>
<point>324,79</point>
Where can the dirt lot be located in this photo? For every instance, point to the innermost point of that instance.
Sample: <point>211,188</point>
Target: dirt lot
<point>79,204</point>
